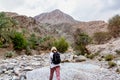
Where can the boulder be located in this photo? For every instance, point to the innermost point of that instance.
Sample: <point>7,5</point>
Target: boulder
<point>66,57</point>
<point>79,58</point>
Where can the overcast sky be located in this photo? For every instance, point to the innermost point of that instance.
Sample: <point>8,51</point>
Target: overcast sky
<point>83,10</point>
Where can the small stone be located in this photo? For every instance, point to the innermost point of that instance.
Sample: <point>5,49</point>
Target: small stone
<point>17,71</point>
<point>15,78</point>
<point>1,71</point>
<point>10,67</point>
<point>22,77</point>
<point>36,63</point>
<point>28,68</point>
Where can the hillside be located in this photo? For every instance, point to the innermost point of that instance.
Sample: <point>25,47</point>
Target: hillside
<point>92,27</point>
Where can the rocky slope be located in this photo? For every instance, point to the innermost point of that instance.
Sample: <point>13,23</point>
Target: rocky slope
<point>92,27</point>
<point>108,48</point>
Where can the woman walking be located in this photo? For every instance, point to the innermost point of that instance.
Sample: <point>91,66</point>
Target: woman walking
<point>54,63</point>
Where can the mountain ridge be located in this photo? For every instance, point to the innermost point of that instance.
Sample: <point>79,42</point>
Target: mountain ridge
<point>55,17</point>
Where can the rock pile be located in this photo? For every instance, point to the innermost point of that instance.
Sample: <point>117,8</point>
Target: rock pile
<point>12,69</point>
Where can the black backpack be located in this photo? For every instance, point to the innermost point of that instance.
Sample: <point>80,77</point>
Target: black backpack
<point>56,58</point>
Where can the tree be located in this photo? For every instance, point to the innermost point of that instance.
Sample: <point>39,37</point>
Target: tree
<point>61,45</point>
<point>81,40</point>
<point>6,24</point>
<point>114,26</point>
<point>19,41</point>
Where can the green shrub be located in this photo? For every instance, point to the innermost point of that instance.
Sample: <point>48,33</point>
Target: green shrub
<point>32,41</point>
<point>45,43</point>
<point>81,40</point>
<point>118,52</point>
<point>9,54</point>
<point>6,25</point>
<point>1,44</point>
<point>111,64</point>
<point>109,57</point>
<point>77,53</point>
<point>118,70</point>
<point>19,41</point>
<point>61,44</point>
<point>101,37</point>
<point>28,50</point>
<point>97,53</point>
<point>114,26</point>
<point>91,56</point>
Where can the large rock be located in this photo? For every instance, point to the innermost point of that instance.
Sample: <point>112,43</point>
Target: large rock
<point>65,57</point>
<point>79,58</point>
<point>75,71</point>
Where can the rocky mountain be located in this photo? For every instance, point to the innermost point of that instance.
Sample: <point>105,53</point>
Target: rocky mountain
<point>55,17</point>
<point>60,18</point>
<point>56,23</point>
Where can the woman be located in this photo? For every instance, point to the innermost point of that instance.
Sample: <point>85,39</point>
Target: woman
<point>53,66</point>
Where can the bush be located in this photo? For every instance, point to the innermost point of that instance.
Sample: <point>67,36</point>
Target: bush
<point>19,41</point>
<point>91,56</point>
<point>6,25</point>
<point>111,64</point>
<point>77,53</point>
<point>28,50</point>
<point>9,54</point>
<point>118,70</point>
<point>101,37</point>
<point>114,26</point>
<point>1,44</point>
<point>118,52</point>
<point>32,41</point>
<point>45,43</point>
<point>109,57</point>
<point>61,45</point>
<point>80,41</point>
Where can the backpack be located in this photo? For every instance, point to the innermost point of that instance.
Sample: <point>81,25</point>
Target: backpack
<point>56,58</point>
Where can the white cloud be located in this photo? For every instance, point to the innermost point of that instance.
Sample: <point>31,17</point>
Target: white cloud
<point>84,10</point>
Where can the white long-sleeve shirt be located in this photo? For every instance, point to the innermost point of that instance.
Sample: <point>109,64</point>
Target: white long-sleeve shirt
<point>52,65</point>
